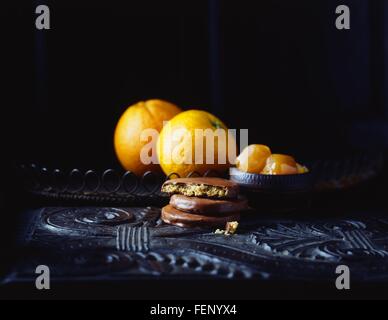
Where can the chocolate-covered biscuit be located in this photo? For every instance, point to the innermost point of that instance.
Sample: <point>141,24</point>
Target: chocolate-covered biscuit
<point>202,187</point>
<point>175,217</point>
<point>207,206</point>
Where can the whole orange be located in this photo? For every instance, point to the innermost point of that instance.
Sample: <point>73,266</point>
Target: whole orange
<point>183,150</point>
<point>128,140</point>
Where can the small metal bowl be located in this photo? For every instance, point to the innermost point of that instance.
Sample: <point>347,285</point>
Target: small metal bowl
<point>275,183</point>
<point>275,193</point>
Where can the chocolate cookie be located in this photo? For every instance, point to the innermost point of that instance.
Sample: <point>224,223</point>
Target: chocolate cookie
<point>172,216</point>
<point>207,206</point>
<point>202,187</point>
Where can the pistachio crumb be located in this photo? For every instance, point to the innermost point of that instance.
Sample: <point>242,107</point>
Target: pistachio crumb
<point>231,228</point>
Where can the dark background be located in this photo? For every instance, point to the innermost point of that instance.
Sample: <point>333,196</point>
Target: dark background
<point>278,68</point>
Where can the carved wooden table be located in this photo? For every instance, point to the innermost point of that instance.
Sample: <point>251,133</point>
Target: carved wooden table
<point>133,242</point>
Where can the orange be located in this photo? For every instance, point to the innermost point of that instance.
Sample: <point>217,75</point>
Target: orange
<point>183,150</point>
<point>279,164</point>
<point>127,138</point>
<point>253,158</point>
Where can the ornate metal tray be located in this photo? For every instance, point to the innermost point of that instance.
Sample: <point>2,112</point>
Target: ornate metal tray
<point>114,187</point>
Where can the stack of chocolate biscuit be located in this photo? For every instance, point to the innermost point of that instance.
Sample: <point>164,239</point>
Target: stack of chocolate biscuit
<point>202,202</point>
